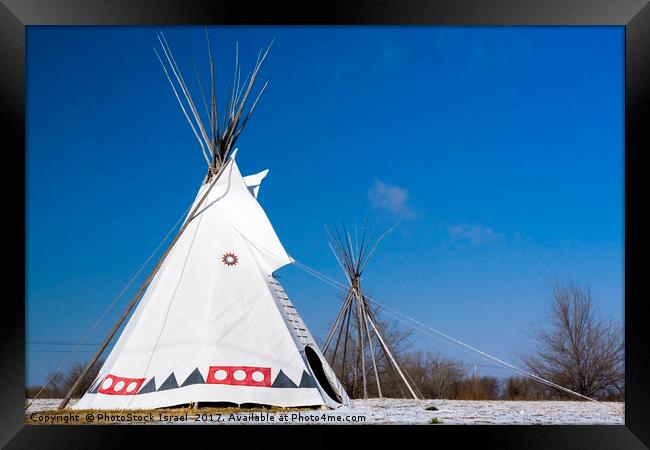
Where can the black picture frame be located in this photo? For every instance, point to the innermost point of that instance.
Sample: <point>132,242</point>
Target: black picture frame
<point>634,15</point>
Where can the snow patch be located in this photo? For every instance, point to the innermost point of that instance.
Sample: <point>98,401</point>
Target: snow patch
<point>455,412</point>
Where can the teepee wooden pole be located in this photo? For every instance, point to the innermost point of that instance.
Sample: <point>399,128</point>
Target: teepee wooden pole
<point>353,257</point>
<point>394,376</point>
<point>391,356</point>
<point>345,342</point>
<point>143,287</point>
<point>338,339</point>
<point>364,306</point>
<point>361,346</point>
<point>326,342</point>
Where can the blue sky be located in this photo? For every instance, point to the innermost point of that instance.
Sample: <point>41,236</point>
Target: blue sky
<point>500,149</point>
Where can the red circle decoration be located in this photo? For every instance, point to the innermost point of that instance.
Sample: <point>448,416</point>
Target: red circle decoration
<point>229,259</point>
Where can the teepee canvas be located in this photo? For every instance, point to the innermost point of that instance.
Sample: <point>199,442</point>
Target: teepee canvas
<point>212,323</point>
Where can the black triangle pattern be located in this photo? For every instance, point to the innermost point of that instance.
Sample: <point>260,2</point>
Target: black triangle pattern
<point>194,378</point>
<point>169,383</point>
<point>307,381</point>
<point>283,381</point>
<point>149,387</point>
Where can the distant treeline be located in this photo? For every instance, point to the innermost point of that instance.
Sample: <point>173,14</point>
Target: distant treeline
<point>58,384</point>
<point>435,376</point>
<point>439,377</point>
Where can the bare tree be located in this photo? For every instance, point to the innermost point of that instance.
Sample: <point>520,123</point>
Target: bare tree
<point>59,383</point>
<point>445,373</point>
<point>523,388</point>
<point>435,375</point>
<point>577,349</point>
<point>75,372</point>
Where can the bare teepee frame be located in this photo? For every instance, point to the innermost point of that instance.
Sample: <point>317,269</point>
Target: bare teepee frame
<point>221,137</point>
<point>219,143</point>
<point>357,316</point>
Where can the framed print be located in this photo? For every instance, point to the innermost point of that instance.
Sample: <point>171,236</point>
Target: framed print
<point>426,215</point>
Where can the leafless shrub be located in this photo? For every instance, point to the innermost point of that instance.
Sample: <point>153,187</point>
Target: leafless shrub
<point>435,375</point>
<point>523,388</point>
<point>577,349</point>
<point>478,388</point>
<point>59,383</point>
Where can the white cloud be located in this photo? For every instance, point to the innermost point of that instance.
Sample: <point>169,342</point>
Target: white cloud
<point>474,234</point>
<point>391,198</point>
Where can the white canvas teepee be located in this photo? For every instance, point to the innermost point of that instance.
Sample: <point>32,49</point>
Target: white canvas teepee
<point>212,324</point>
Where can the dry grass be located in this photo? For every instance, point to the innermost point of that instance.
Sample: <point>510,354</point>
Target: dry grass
<point>146,416</point>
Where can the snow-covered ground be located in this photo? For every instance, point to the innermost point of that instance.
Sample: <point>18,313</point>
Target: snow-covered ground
<point>403,411</point>
<point>489,412</point>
